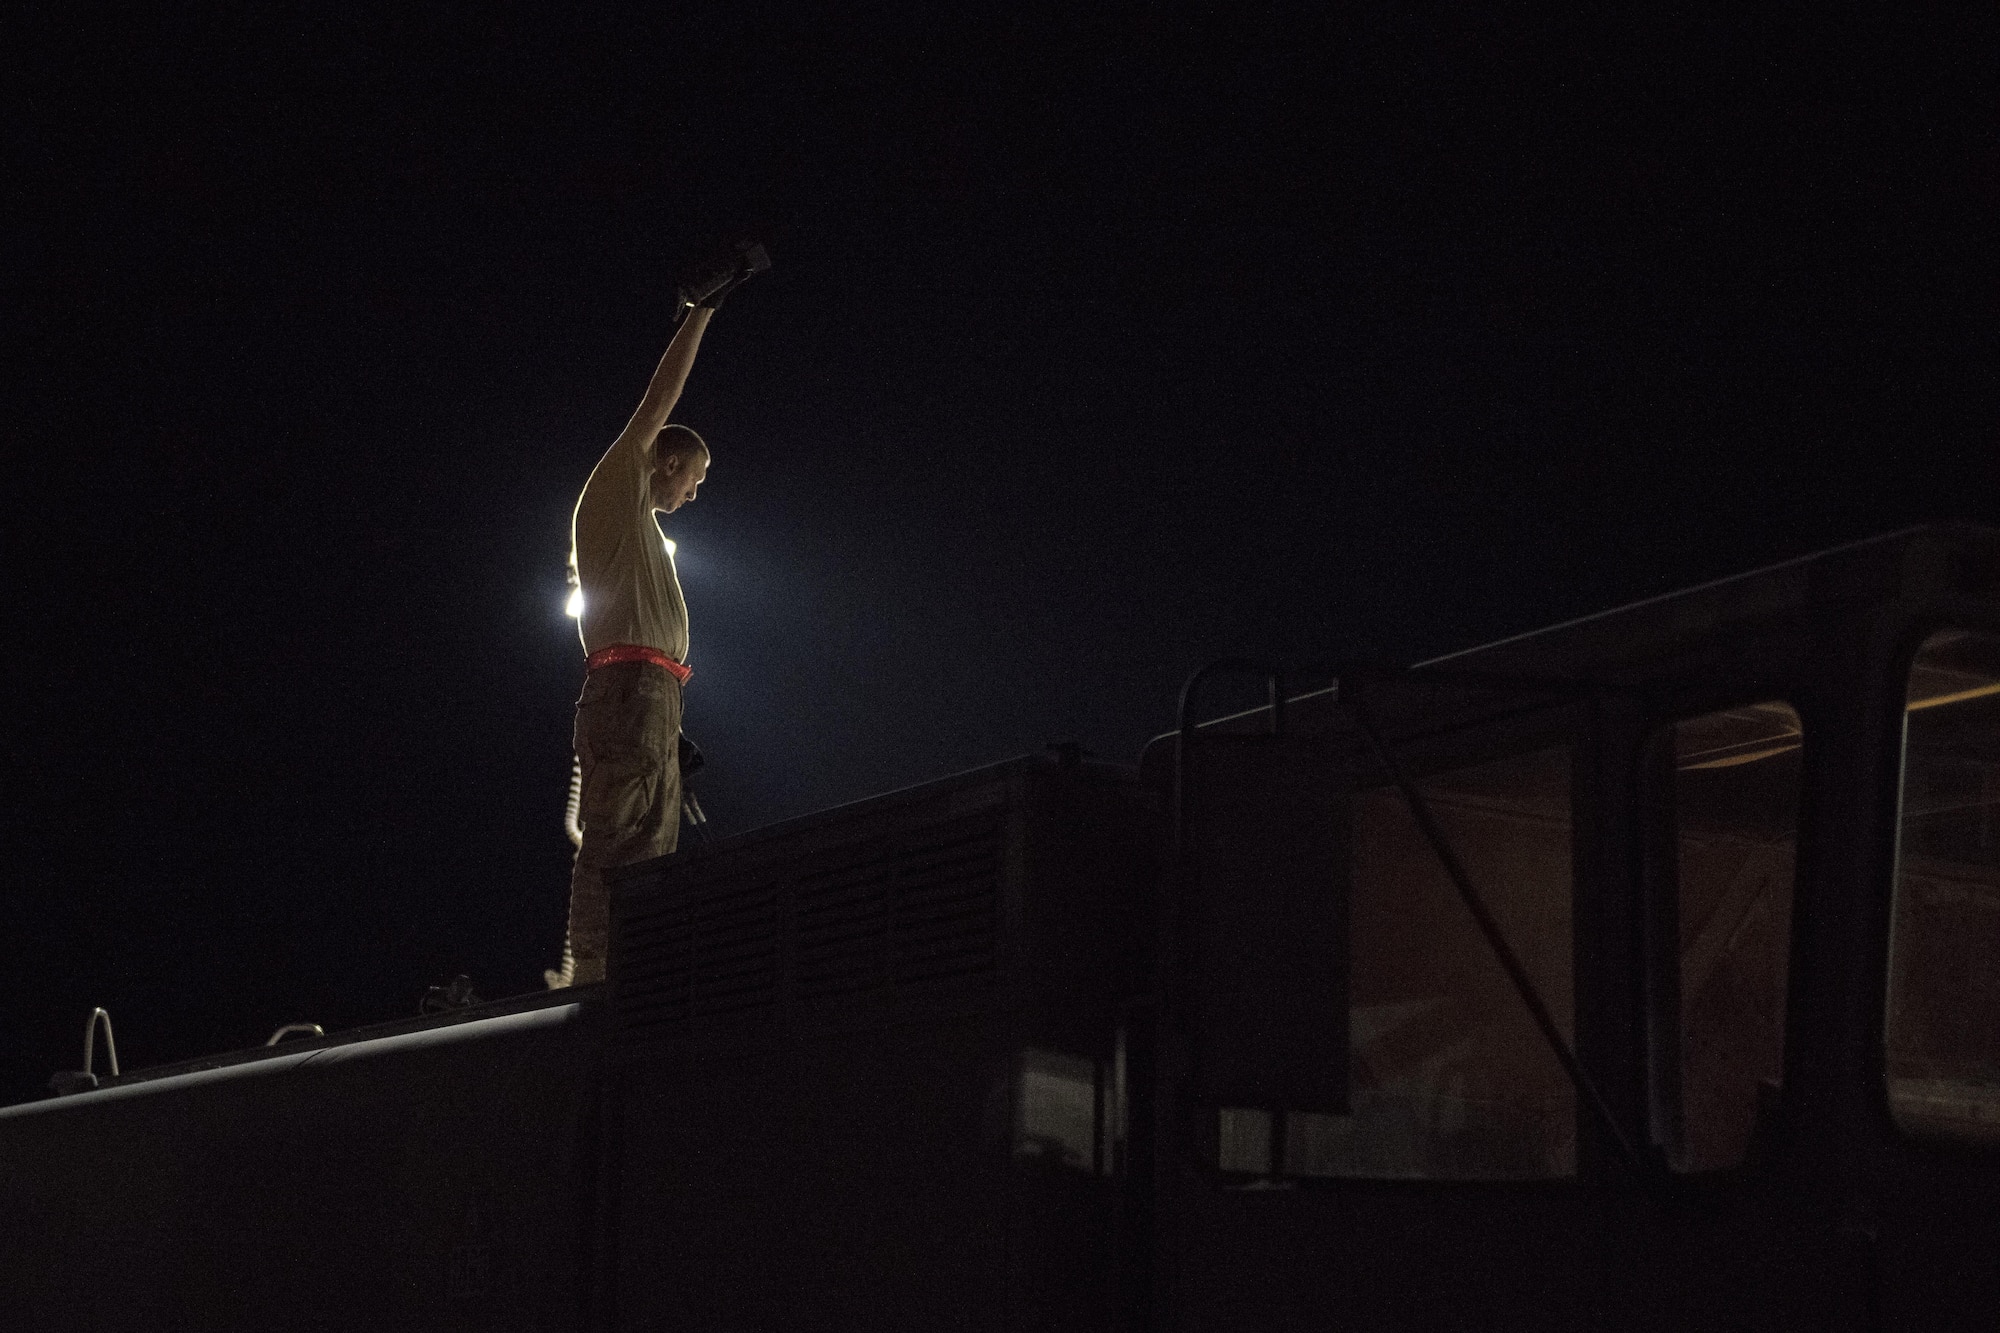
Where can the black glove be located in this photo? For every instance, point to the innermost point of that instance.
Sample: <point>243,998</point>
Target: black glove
<point>713,300</point>
<point>744,262</point>
<point>702,297</point>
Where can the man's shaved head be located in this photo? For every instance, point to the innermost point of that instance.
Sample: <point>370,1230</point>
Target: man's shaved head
<point>680,465</point>
<point>677,442</point>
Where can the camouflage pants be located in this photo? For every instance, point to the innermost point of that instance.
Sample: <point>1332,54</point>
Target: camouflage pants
<point>628,726</point>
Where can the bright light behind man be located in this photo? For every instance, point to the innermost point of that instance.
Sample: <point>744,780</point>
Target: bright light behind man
<point>573,608</point>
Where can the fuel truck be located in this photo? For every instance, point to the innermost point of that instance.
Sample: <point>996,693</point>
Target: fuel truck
<point>1641,973</point>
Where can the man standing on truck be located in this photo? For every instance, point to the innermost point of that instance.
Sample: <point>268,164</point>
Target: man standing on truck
<point>635,635</point>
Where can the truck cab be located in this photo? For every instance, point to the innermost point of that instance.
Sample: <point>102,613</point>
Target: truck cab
<point>1742,843</point>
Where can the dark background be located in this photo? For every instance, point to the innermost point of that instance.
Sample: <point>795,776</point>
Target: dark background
<point>1097,346</point>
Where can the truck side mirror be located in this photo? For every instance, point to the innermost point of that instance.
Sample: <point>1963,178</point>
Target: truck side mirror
<point>1263,924</point>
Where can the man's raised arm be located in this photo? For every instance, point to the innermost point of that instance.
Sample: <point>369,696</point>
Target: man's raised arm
<point>670,376</point>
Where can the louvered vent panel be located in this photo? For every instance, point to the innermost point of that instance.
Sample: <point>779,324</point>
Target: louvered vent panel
<point>921,910</point>
<point>862,920</point>
<point>717,953</point>
<point>843,917</point>
<point>945,912</point>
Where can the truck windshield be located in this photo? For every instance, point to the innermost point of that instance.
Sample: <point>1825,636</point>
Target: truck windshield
<point>1450,1078</point>
<point>1943,1028</point>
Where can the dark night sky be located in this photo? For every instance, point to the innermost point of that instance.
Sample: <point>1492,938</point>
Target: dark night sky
<point>1097,346</point>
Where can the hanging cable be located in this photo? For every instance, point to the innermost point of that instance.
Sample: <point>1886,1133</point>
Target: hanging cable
<point>573,809</point>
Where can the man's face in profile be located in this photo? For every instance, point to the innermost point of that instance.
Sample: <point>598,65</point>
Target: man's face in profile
<point>676,480</point>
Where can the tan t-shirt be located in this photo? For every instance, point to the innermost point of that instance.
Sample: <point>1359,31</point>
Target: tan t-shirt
<point>630,591</point>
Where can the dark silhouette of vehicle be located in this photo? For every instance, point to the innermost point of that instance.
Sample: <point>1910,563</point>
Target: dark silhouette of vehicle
<point>1643,972</point>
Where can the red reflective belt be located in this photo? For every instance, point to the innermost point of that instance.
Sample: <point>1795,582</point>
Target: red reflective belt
<point>635,652</point>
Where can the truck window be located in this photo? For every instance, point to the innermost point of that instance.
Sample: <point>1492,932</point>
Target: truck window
<point>1735,797</point>
<point>1451,1080</point>
<point>1943,1019</point>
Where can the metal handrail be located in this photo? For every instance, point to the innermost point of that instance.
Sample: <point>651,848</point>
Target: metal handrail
<point>99,1015</point>
<point>289,1028</point>
<point>1339,670</point>
<point>1171,981</point>
<point>1274,683</point>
